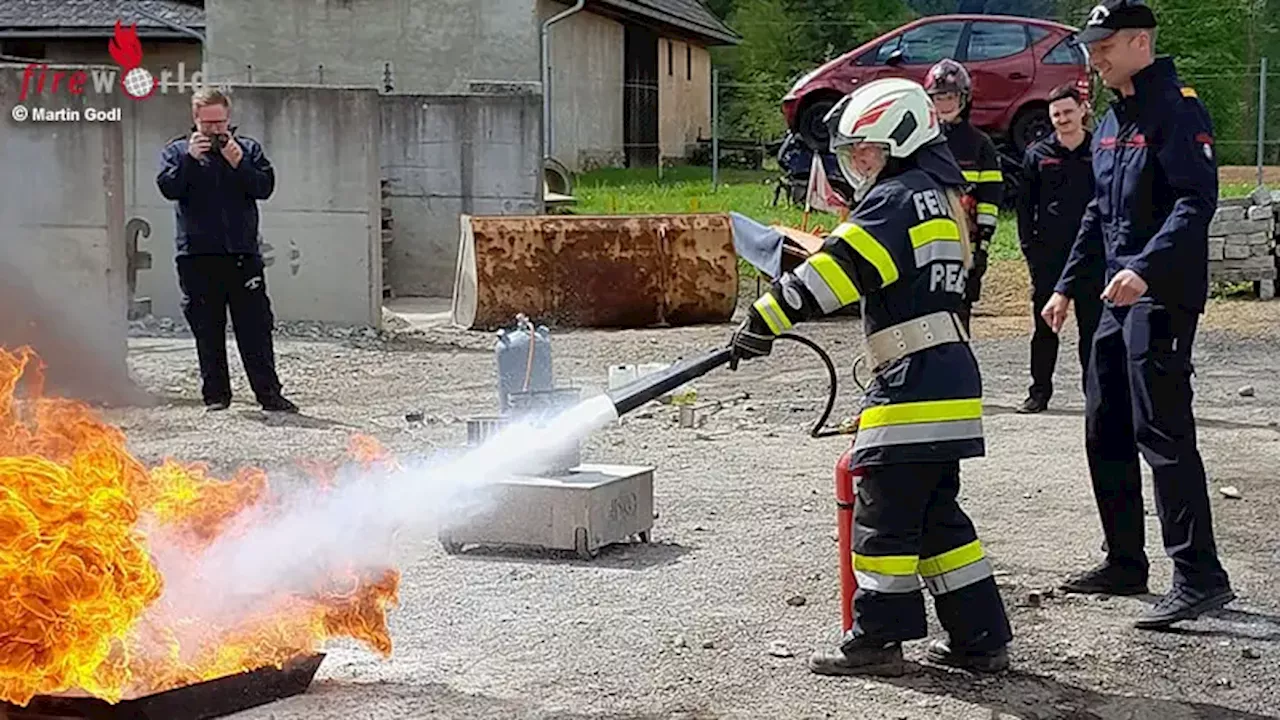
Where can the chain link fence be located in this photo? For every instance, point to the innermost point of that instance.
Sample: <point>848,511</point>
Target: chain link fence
<point>1243,102</point>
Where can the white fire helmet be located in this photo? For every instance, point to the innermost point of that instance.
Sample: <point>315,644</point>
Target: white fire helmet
<point>894,113</point>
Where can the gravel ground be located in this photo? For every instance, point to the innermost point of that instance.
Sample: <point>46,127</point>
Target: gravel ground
<point>743,568</point>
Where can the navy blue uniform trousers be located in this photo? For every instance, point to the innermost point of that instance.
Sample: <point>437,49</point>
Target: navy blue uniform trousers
<point>1044,341</point>
<point>210,285</point>
<point>910,509</point>
<point>1138,398</point>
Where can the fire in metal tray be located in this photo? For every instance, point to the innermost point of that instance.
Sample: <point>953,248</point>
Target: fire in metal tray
<point>209,699</point>
<point>85,610</point>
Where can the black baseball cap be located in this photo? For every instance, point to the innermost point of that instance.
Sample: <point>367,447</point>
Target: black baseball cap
<point>1111,15</point>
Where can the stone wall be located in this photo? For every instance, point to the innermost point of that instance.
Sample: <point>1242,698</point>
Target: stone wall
<point>1242,241</point>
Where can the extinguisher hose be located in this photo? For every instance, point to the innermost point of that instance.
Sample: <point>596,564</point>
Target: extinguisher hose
<point>819,429</point>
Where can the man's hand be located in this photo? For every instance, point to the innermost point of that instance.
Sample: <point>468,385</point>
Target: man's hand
<point>752,339</point>
<point>1125,288</point>
<point>1055,311</point>
<point>232,151</point>
<point>198,145</point>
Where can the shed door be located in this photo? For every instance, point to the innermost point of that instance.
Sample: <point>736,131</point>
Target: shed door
<point>640,98</point>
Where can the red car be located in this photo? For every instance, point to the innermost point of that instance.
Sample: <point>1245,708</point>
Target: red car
<point>1015,62</point>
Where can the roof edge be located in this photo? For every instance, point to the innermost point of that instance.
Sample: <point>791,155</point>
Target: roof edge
<point>70,33</point>
<point>719,37</point>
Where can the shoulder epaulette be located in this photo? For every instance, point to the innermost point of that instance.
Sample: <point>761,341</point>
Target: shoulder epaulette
<point>1189,92</point>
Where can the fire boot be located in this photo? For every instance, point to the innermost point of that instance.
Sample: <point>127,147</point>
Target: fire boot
<point>985,661</point>
<point>860,657</point>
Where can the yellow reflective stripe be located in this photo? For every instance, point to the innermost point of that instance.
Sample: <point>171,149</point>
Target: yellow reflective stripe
<point>1189,92</point>
<point>835,277</point>
<point>973,176</point>
<point>953,559</point>
<point>917,433</point>
<point>896,565</point>
<point>988,209</point>
<point>827,282</point>
<point>871,249</point>
<point>772,313</point>
<point>990,176</point>
<point>937,239</point>
<point>921,412</point>
<point>936,229</point>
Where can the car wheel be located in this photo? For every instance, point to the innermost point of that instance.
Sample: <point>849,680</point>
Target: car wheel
<point>810,125</point>
<point>1029,126</point>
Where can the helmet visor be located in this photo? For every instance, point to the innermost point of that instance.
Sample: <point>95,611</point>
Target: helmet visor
<point>860,179</point>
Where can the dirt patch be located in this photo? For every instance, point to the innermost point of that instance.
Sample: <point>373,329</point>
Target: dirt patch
<point>1249,174</point>
<point>1245,317</point>
<point>1006,290</point>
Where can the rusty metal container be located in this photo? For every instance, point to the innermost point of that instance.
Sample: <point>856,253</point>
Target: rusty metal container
<point>595,271</point>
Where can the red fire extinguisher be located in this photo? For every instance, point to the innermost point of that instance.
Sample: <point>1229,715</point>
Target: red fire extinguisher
<point>846,496</point>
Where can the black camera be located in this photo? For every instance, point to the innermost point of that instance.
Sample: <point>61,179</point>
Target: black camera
<point>217,142</point>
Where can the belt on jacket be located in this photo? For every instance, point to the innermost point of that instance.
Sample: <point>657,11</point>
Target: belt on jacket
<point>927,331</point>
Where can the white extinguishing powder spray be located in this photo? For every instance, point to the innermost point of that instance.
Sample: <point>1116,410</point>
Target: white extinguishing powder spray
<point>365,523</point>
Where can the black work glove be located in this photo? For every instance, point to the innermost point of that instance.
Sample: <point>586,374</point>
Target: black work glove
<point>973,287</point>
<point>752,339</point>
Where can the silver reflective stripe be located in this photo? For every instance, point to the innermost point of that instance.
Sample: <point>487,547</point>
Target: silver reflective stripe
<point>985,219</point>
<point>960,577</point>
<point>913,433</point>
<point>822,292</point>
<point>887,583</point>
<point>939,250</point>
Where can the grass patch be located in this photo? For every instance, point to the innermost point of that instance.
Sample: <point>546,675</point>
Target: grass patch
<point>687,189</point>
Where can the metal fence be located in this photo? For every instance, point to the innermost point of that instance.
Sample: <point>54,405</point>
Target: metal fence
<point>1243,102</point>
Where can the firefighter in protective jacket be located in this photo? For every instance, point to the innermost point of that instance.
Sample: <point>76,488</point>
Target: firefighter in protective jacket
<point>950,87</point>
<point>903,253</point>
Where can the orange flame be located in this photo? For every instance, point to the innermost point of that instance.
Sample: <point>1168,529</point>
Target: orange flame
<point>125,47</point>
<point>82,607</point>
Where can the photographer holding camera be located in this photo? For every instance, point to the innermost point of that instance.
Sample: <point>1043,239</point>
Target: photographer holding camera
<point>216,178</point>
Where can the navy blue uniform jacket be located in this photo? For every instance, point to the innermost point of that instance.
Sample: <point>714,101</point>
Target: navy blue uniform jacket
<point>1057,185</point>
<point>216,208</point>
<point>1156,189</point>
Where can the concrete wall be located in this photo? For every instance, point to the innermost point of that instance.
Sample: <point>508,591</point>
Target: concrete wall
<point>62,258</point>
<point>684,96</point>
<point>586,88</point>
<point>447,155</point>
<point>432,47</point>
<point>321,230</point>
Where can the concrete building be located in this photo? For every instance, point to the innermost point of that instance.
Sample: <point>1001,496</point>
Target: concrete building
<point>629,78</point>
<point>77,31</point>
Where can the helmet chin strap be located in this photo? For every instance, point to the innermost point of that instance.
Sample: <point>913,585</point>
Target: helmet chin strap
<point>863,186</point>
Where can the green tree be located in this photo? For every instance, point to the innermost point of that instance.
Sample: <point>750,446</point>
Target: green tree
<point>784,39</point>
<point>934,7</point>
<point>756,72</point>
